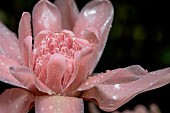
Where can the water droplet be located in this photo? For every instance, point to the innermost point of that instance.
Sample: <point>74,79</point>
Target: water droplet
<point>2,64</point>
<point>114,97</point>
<point>9,101</point>
<point>42,109</point>
<point>117,86</point>
<point>86,83</point>
<point>16,107</point>
<point>59,109</point>
<point>58,101</point>
<point>51,107</point>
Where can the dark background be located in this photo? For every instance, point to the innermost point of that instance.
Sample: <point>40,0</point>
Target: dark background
<point>139,35</point>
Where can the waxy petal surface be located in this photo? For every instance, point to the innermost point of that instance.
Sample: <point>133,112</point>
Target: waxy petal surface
<point>24,28</point>
<point>55,71</point>
<point>26,50</point>
<point>117,76</point>
<point>9,43</point>
<point>98,15</point>
<point>5,75</point>
<point>69,12</point>
<point>25,76</point>
<point>110,97</point>
<point>58,104</point>
<point>16,101</point>
<point>46,16</point>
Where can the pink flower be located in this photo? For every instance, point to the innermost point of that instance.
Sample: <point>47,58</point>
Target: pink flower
<point>56,71</point>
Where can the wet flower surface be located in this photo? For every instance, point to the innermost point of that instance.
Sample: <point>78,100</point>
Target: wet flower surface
<point>56,68</point>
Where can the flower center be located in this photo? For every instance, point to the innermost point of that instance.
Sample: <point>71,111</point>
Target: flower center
<point>63,42</point>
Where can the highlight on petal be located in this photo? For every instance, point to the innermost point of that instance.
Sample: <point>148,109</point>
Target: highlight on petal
<point>69,12</point>
<point>9,43</point>
<point>117,76</point>
<point>5,75</point>
<point>24,28</point>
<point>58,104</point>
<point>95,17</point>
<point>16,100</point>
<point>46,16</point>
<point>55,71</point>
<point>111,96</point>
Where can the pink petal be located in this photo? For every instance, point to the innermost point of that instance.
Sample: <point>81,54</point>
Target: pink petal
<point>9,43</point>
<point>110,97</point>
<point>95,17</point>
<point>117,76</point>
<point>24,28</point>
<point>58,104</point>
<point>80,72</point>
<point>46,16</point>
<point>5,75</point>
<point>55,71</point>
<point>69,12</point>
<point>29,80</point>
<point>25,76</point>
<point>27,50</point>
<point>41,35</point>
<point>16,101</point>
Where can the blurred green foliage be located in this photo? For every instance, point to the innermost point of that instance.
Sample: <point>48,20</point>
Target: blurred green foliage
<point>139,34</point>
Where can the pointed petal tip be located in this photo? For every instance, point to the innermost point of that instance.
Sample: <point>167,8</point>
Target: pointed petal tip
<point>46,16</point>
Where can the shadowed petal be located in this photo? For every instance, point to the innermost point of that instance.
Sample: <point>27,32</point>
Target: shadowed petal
<point>117,76</point>
<point>69,12</point>
<point>16,101</point>
<point>93,108</point>
<point>9,43</point>
<point>58,104</point>
<point>5,75</point>
<point>46,16</point>
<point>24,28</point>
<point>96,17</point>
<point>26,50</point>
<point>55,72</point>
<point>25,76</point>
<point>28,79</point>
<point>110,97</point>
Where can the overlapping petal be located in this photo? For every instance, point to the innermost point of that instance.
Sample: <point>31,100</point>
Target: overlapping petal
<point>117,76</point>
<point>111,96</point>
<point>46,16</point>
<point>24,29</point>
<point>55,71</point>
<point>69,12</point>
<point>16,100</point>
<point>5,75</point>
<point>95,17</point>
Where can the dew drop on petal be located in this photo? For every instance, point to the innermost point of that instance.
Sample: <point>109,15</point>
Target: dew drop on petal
<point>86,83</point>
<point>51,107</point>
<point>16,107</point>
<point>9,101</point>
<point>114,97</point>
<point>117,86</point>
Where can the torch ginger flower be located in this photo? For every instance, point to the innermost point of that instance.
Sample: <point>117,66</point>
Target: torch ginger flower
<point>55,70</point>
